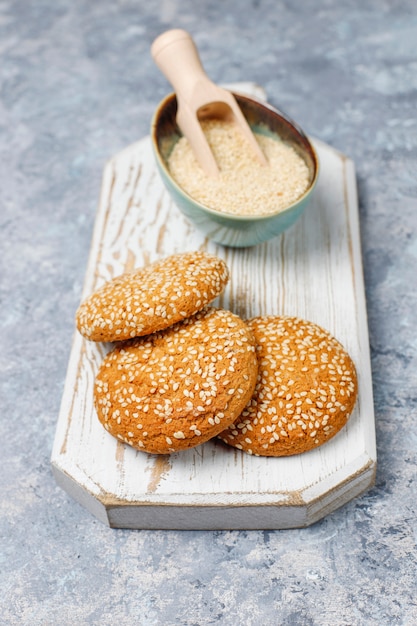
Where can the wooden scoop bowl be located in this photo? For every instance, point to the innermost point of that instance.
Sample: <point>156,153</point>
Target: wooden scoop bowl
<point>198,97</point>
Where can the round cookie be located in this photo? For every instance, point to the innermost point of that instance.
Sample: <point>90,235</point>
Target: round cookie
<point>305,391</point>
<point>179,387</point>
<point>152,298</point>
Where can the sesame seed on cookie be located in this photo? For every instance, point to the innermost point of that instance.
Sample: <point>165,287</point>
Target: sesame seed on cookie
<point>152,298</point>
<point>305,391</point>
<point>178,387</point>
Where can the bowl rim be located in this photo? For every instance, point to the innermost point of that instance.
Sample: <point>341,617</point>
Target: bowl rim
<point>223,214</point>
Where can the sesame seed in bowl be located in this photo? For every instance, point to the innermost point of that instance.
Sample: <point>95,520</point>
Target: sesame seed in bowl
<point>248,202</point>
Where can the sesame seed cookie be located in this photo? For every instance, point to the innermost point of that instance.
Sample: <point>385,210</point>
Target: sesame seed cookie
<point>305,391</point>
<point>179,387</point>
<point>152,298</point>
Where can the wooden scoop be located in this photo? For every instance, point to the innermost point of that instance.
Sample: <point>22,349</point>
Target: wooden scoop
<point>198,97</point>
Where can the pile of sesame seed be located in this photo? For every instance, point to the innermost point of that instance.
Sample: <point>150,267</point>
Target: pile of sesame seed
<point>244,186</point>
<point>305,391</point>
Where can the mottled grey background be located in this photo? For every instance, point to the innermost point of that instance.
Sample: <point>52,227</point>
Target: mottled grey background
<point>77,84</point>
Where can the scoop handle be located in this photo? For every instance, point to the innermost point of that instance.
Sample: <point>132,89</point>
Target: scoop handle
<point>176,55</point>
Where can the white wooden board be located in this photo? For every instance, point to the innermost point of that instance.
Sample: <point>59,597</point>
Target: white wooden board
<point>314,271</point>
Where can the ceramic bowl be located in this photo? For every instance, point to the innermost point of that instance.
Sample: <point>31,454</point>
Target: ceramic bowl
<point>225,228</point>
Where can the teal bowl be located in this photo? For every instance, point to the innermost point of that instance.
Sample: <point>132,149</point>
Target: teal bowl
<point>224,228</point>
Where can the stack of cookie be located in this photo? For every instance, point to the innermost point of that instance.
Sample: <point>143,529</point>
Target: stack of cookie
<point>182,372</point>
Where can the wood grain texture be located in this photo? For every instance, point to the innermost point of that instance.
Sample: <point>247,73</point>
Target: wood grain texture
<point>314,270</point>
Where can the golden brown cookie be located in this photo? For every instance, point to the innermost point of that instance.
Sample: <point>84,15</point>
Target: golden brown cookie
<point>152,298</point>
<point>305,392</point>
<point>178,387</point>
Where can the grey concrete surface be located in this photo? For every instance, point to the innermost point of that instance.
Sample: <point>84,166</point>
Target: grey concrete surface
<point>77,84</point>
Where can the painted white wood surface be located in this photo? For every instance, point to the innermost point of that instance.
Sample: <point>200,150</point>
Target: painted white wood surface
<point>314,271</point>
